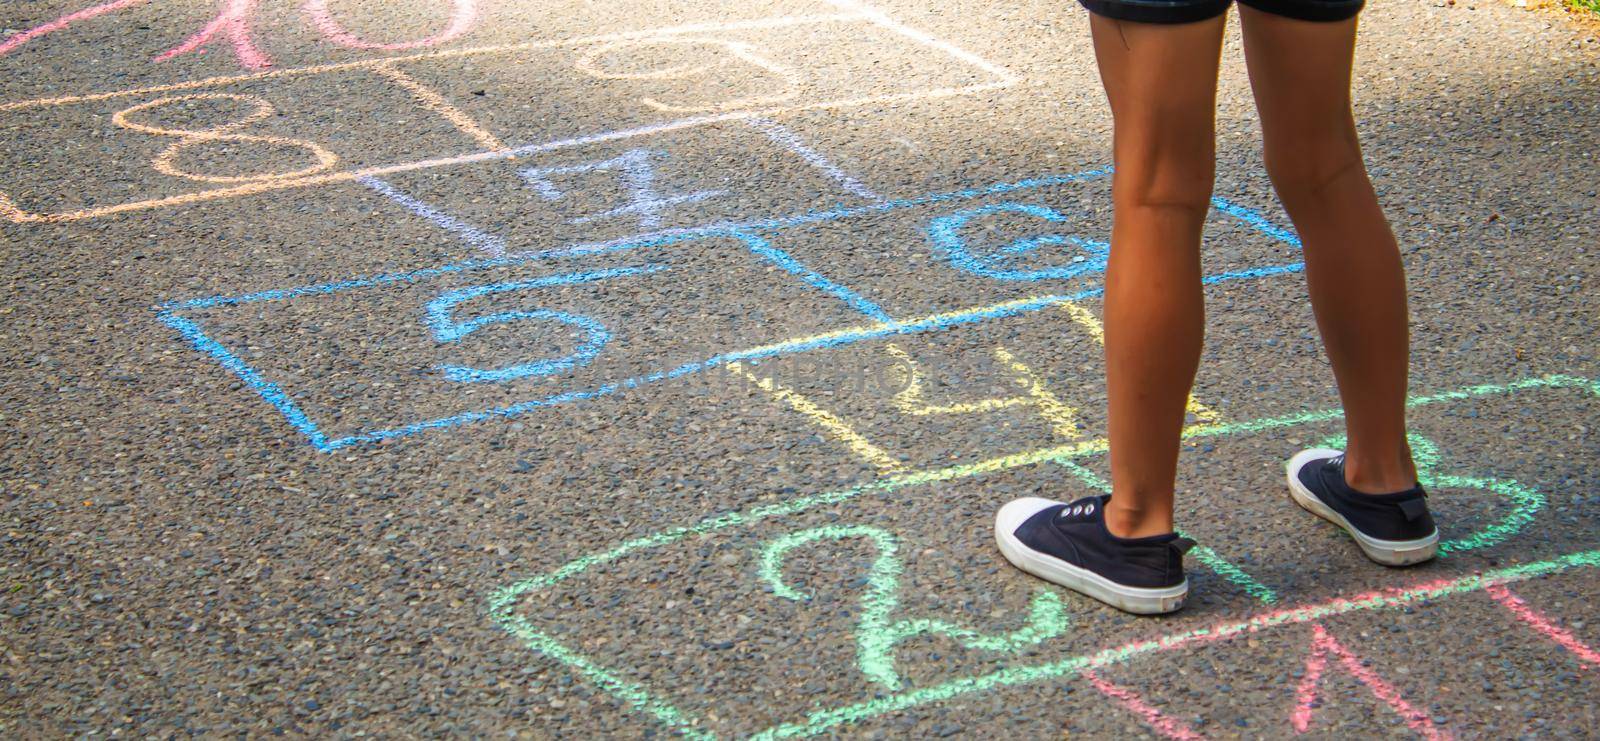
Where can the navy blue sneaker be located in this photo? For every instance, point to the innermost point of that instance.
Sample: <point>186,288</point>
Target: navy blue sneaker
<point>1069,545</point>
<point>1392,529</point>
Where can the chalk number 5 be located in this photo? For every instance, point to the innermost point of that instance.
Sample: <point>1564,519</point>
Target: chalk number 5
<point>591,333</point>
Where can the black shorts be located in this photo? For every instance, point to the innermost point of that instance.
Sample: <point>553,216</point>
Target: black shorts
<point>1190,11</point>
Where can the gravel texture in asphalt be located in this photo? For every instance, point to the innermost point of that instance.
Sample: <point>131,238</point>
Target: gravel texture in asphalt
<point>655,367</point>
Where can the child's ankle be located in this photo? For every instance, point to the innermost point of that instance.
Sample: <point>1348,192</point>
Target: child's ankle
<point>1125,522</point>
<point>1379,479</point>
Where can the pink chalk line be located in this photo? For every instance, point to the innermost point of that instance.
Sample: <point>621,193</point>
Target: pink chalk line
<point>1164,724</point>
<point>463,14</point>
<point>234,22</point>
<point>1539,622</point>
<point>22,37</point>
<point>1322,644</point>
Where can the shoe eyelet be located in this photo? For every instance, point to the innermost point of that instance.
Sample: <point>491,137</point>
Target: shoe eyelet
<point>1089,510</point>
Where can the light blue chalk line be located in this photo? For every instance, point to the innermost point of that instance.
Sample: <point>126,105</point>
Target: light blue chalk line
<point>945,232</point>
<point>1249,273</point>
<point>447,330</point>
<point>765,250</point>
<point>933,324</point>
<point>649,240</point>
<point>267,389</point>
<point>279,294</point>
<point>1254,218</point>
<point>670,237</point>
<point>595,338</point>
<point>887,329</point>
<point>281,401</point>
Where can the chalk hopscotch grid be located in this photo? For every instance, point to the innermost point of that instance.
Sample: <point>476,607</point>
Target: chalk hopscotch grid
<point>853,12</point>
<point>502,602</point>
<point>747,234</point>
<point>1493,583</point>
<point>491,245</point>
<point>863,448</point>
<point>1525,505</point>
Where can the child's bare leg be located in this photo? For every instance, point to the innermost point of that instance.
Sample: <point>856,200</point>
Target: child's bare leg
<point>1300,71</point>
<point>1161,80</point>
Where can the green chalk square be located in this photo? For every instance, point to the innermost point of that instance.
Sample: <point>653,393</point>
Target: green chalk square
<point>693,636</point>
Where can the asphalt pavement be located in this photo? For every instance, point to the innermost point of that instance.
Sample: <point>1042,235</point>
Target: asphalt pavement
<point>655,367</point>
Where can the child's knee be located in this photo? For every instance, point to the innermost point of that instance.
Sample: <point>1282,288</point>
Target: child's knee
<point>1171,183</point>
<point>1303,168</point>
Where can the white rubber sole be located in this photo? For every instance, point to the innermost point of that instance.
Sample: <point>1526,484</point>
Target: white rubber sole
<point>1136,600</point>
<point>1386,552</point>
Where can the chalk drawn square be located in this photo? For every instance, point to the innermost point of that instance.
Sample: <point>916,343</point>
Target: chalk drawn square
<point>670,92</point>
<point>491,399</point>
<point>676,80</point>
<point>1010,245</point>
<point>235,137</point>
<point>957,396</point>
<point>695,645</point>
<point>370,359</point>
<point>593,193</point>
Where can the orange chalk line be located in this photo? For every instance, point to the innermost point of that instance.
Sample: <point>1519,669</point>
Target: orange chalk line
<point>433,101</point>
<point>17,215</point>
<point>8,209</point>
<point>163,162</point>
<point>739,49</point>
<point>12,212</point>
<point>778,22</point>
<point>337,177</point>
